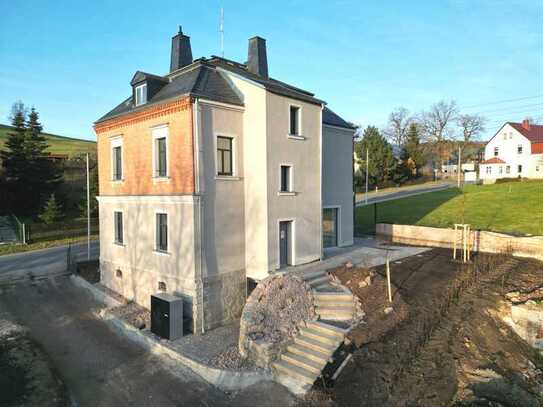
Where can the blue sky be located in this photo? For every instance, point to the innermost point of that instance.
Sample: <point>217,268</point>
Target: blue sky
<point>74,60</point>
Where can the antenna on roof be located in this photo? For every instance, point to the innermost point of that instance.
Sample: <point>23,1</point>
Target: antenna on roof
<point>221,31</point>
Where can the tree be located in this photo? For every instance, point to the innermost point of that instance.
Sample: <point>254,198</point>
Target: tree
<point>412,157</point>
<point>14,154</point>
<point>52,212</point>
<point>399,121</point>
<point>471,125</point>
<point>437,124</point>
<point>381,159</point>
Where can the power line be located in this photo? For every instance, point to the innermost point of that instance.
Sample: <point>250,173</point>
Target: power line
<point>503,101</point>
<point>505,109</point>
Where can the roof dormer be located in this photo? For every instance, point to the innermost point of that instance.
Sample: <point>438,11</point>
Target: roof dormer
<point>145,86</point>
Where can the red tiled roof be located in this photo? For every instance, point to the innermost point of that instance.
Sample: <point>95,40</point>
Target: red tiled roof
<point>537,148</point>
<point>494,160</point>
<point>535,134</point>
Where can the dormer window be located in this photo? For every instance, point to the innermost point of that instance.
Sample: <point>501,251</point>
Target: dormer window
<point>141,94</point>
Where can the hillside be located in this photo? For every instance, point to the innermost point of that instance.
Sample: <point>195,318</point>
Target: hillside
<point>57,144</point>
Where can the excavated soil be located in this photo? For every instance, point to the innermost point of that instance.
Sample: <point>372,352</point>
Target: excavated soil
<point>452,348</point>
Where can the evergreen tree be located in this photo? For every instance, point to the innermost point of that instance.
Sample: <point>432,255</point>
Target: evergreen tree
<point>52,212</point>
<point>381,159</point>
<point>413,149</point>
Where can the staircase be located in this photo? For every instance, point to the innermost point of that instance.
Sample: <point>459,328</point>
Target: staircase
<point>302,362</point>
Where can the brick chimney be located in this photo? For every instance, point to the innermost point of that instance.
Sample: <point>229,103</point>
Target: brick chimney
<point>181,51</point>
<point>526,124</point>
<point>257,61</point>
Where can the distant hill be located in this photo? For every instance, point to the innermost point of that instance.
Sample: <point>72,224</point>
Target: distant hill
<point>57,144</point>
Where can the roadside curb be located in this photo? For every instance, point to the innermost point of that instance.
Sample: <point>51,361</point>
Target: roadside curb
<point>227,380</point>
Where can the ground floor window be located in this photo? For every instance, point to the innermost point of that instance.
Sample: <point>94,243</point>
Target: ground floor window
<point>519,169</point>
<point>118,221</point>
<point>508,169</point>
<point>488,169</point>
<point>161,232</point>
<point>330,227</point>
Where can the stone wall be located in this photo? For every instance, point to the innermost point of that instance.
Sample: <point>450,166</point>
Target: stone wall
<point>482,241</point>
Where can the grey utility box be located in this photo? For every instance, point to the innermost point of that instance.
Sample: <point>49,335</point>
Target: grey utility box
<point>167,316</point>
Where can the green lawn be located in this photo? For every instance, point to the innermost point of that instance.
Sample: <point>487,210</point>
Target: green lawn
<point>57,144</point>
<point>514,207</point>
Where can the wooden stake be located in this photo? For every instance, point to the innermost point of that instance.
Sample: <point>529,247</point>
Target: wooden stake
<point>388,282</point>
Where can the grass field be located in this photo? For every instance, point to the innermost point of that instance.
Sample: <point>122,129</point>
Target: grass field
<point>57,144</point>
<point>514,208</point>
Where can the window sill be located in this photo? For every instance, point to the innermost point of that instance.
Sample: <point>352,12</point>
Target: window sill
<point>161,252</point>
<point>286,193</point>
<point>118,244</point>
<point>161,179</point>
<point>227,178</point>
<point>117,181</point>
<point>295,136</point>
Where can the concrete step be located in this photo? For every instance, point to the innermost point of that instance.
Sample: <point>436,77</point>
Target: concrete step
<point>318,281</point>
<point>297,372</point>
<point>335,315</point>
<point>302,361</point>
<point>309,353</point>
<point>320,336</point>
<point>327,328</point>
<point>326,297</point>
<point>341,306</point>
<point>314,344</point>
<point>313,274</point>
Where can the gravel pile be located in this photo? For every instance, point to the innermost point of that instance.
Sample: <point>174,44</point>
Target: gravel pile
<point>134,314</point>
<point>231,359</point>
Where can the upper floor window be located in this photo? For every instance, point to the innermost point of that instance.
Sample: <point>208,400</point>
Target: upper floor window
<point>496,151</point>
<point>118,223</point>
<point>160,152</point>
<point>286,178</point>
<point>295,120</point>
<point>519,168</point>
<point>519,149</point>
<point>224,155</point>
<point>116,159</point>
<point>141,94</point>
<point>162,232</point>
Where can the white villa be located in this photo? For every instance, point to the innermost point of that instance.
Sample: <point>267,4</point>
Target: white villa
<point>516,150</point>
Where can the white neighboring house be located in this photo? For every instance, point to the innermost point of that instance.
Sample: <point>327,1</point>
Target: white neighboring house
<point>516,150</point>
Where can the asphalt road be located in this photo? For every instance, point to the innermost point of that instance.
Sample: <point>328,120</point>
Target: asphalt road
<point>403,194</point>
<point>39,263</point>
<point>102,369</point>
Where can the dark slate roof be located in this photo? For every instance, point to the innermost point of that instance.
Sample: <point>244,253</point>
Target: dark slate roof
<point>272,85</point>
<point>140,76</point>
<point>200,80</point>
<point>331,118</point>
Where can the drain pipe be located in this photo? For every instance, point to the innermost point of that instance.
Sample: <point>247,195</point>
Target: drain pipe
<point>198,190</point>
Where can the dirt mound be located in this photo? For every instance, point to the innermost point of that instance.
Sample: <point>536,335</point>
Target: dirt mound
<point>272,314</point>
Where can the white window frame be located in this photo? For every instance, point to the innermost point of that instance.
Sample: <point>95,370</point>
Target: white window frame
<point>488,169</point>
<point>157,133</point>
<point>496,151</point>
<point>155,240</point>
<point>115,241</point>
<point>519,166</point>
<point>143,99</point>
<point>520,149</point>
<point>291,190</point>
<point>235,175</point>
<point>116,141</point>
<point>500,169</point>
<point>299,135</point>
<point>508,169</point>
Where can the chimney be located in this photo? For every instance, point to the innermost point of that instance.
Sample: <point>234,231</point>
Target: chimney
<point>526,124</point>
<point>257,60</point>
<point>181,51</point>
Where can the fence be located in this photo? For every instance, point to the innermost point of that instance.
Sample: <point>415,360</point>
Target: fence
<point>39,232</point>
<point>19,228</point>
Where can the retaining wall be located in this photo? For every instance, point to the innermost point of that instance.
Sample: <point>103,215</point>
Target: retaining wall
<point>481,241</point>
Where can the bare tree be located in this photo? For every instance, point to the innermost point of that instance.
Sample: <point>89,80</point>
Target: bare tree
<point>471,125</point>
<point>436,125</point>
<point>399,121</point>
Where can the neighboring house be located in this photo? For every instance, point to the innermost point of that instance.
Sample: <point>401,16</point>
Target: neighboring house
<point>516,150</point>
<point>215,173</point>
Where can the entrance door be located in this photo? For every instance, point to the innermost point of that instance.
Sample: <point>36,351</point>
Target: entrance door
<point>329,227</point>
<point>285,255</point>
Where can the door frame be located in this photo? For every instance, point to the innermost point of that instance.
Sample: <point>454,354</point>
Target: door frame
<point>292,241</point>
<point>338,225</point>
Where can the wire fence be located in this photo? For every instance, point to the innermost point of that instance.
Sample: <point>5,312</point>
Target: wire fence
<point>40,232</point>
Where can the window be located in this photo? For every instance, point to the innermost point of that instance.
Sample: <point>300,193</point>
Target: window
<point>295,120</point>
<point>496,151</point>
<point>519,149</point>
<point>537,168</point>
<point>500,169</point>
<point>162,286</point>
<point>286,178</point>
<point>488,169</point>
<point>141,94</point>
<point>160,152</point>
<point>224,155</point>
<point>519,169</point>
<point>116,159</point>
<point>507,169</point>
<point>161,232</point>
<point>118,221</point>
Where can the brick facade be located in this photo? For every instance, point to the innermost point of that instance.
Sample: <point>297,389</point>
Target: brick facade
<point>136,132</point>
